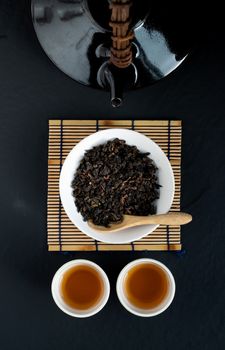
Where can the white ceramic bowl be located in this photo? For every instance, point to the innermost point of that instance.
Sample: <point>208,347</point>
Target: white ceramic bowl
<point>55,288</point>
<point>144,144</point>
<point>141,312</point>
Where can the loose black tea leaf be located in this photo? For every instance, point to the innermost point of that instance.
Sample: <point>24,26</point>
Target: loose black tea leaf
<point>114,179</point>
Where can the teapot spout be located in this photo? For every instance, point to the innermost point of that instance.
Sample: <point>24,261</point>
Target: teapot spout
<point>116,88</point>
<point>117,80</point>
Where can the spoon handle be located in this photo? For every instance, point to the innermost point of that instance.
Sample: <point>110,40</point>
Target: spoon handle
<point>172,218</point>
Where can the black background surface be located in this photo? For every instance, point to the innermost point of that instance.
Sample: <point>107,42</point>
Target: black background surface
<point>32,90</point>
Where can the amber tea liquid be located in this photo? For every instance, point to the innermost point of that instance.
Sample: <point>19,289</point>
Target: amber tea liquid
<point>81,287</point>
<point>146,285</point>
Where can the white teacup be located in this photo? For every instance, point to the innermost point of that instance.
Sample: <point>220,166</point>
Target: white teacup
<point>56,284</point>
<point>120,287</point>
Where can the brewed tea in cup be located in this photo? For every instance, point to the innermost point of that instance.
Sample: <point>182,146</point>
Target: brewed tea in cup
<point>145,287</point>
<point>80,288</point>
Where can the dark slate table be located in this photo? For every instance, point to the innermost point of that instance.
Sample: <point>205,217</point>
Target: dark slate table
<point>32,90</point>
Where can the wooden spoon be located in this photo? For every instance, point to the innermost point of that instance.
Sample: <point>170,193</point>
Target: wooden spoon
<point>174,218</point>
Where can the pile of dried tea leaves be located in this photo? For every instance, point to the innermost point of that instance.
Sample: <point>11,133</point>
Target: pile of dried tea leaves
<point>114,179</point>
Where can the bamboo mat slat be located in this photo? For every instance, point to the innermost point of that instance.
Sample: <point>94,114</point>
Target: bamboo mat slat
<point>63,136</point>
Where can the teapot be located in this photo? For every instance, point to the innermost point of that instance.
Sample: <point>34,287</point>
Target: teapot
<point>78,36</point>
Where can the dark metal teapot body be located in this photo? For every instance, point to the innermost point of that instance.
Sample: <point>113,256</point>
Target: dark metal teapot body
<point>76,37</point>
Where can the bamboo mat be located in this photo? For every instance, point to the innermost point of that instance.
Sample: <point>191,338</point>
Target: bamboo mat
<point>63,136</point>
